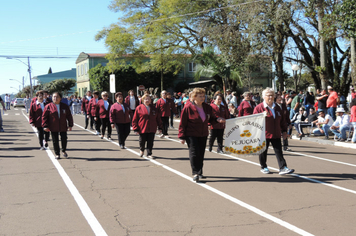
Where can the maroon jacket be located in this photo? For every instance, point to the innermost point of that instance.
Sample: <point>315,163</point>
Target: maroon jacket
<point>36,114</point>
<point>219,112</point>
<point>274,126</point>
<point>117,114</point>
<point>285,113</point>
<point>143,122</point>
<point>165,107</point>
<point>85,105</point>
<point>92,106</point>
<point>245,109</point>
<point>127,101</point>
<point>100,109</point>
<point>51,120</point>
<point>191,124</point>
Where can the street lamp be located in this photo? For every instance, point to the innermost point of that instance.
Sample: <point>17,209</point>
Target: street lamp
<point>29,70</point>
<point>23,82</point>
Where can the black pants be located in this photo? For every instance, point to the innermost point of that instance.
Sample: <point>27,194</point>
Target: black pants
<point>42,135</point>
<point>285,143</point>
<point>97,124</point>
<point>165,124</point>
<point>123,130</point>
<point>179,109</point>
<point>105,122</point>
<point>196,147</point>
<point>87,120</point>
<point>55,139</point>
<point>216,134</point>
<point>277,146</point>
<point>147,138</point>
<point>172,118</point>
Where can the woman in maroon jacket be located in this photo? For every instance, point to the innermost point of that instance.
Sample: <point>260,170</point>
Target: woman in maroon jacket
<point>92,110</point>
<point>57,119</point>
<point>132,101</point>
<point>283,106</point>
<point>217,129</point>
<point>145,121</point>
<point>275,126</point>
<point>120,118</point>
<point>247,105</point>
<point>35,117</point>
<point>102,110</point>
<point>193,129</point>
<point>165,105</point>
<point>86,111</point>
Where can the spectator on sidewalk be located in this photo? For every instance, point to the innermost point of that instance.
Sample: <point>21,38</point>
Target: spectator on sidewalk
<point>27,102</point>
<point>295,105</point>
<point>322,98</point>
<point>341,124</point>
<point>310,121</point>
<point>308,102</point>
<point>331,103</point>
<point>4,107</point>
<point>298,117</point>
<point>7,101</point>
<point>353,118</point>
<point>323,124</point>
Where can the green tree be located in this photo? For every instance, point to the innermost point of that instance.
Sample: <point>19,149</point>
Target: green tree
<point>59,85</point>
<point>213,65</point>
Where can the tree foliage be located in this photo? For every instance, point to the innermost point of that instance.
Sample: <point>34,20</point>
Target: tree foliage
<point>59,85</point>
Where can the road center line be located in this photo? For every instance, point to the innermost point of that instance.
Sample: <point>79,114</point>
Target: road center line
<point>83,206</point>
<point>220,193</point>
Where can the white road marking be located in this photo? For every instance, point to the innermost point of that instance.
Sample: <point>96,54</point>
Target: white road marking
<point>83,206</point>
<point>6,114</point>
<point>17,114</point>
<point>323,159</point>
<point>220,193</point>
<point>276,169</point>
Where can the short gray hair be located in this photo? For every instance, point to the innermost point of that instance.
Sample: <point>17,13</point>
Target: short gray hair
<point>267,90</point>
<point>247,93</point>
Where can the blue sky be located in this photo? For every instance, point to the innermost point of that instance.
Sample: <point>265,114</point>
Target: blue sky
<point>48,28</point>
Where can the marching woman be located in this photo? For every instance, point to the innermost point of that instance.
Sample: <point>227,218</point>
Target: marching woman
<point>36,111</point>
<point>247,105</point>
<point>57,119</point>
<point>120,118</point>
<point>86,111</point>
<point>102,110</point>
<point>193,129</point>
<point>132,101</point>
<point>275,126</point>
<point>145,121</point>
<point>92,110</point>
<point>217,129</point>
<point>165,106</point>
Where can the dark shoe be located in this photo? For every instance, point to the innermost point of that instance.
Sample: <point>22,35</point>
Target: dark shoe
<point>210,149</point>
<point>141,153</point>
<point>220,152</point>
<point>58,157</point>
<point>326,138</point>
<point>46,144</point>
<point>287,149</point>
<point>196,178</point>
<point>102,137</point>
<point>65,154</point>
<point>122,146</point>
<point>342,140</point>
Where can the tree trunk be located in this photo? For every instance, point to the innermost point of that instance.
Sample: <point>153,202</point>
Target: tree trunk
<point>322,73</point>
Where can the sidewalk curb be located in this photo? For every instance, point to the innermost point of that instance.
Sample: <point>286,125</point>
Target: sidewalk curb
<point>327,142</point>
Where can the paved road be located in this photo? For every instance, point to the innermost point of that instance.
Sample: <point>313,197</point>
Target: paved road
<point>103,190</point>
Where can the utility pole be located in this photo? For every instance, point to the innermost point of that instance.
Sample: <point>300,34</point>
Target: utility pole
<point>29,72</point>
<point>353,61</point>
<point>23,82</point>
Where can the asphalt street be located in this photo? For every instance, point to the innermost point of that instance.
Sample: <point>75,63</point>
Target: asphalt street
<point>104,190</point>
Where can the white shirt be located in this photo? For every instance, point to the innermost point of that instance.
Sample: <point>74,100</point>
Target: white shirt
<point>88,97</point>
<point>271,108</point>
<point>41,104</point>
<point>7,99</point>
<point>343,120</point>
<point>123,107</point>
<point>106,104</point>
<point>327,117</point>
<point>59,110</point>
<point>132,102</point>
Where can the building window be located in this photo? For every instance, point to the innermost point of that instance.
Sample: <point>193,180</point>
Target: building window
<point>86,68</point>
<point>192,67</point>
<point>78,71</point>
<point>82,69</point>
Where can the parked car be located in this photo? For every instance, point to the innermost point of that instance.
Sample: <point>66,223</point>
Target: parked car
<point>19,102</point>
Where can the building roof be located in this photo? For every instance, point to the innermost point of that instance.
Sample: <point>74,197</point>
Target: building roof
<point>52,76</point>
<point>83,56</point>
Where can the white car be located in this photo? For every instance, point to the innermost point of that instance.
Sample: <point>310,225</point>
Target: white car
<point>19,102</point>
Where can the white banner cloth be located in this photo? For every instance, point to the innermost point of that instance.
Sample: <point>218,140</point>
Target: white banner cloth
<point>246,135</point>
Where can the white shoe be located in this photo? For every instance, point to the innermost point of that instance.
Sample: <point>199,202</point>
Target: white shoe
<point>151,157</point>
<point>97,133</point>
<point>167,136</point>
<point>162,136</point>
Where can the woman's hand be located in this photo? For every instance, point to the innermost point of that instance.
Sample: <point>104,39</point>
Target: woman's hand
<point>221,120</point>
<point>112,125</point>
<point>69,128</point>
<point>182,141</point>
<point>46,129</point>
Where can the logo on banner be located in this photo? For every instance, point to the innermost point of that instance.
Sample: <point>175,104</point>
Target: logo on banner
<point>246,135</point>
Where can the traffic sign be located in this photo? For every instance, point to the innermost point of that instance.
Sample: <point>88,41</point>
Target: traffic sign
<point>141,87</point>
